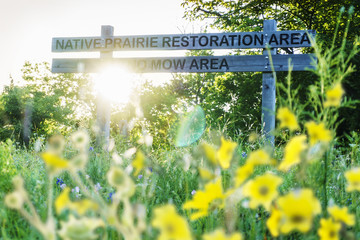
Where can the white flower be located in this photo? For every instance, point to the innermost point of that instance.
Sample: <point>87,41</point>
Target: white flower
<point>62,186</point>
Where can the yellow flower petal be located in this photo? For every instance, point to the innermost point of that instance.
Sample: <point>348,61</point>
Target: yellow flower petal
<point>210,153</point>
<point>225,153</point>
<point>62,201</point>
<point>329,229</point>
<point>342,215</point>
<point>333,96</point>
<point>298,209</point>
<point>54,162</point>
<point>318,133</point>
<point>243,173</point>
<point>262,190</point>
<point>171,225</point>
<point>293,149</point>
<point>287,119</point>
<point>353,179</point>
<point>138,162</point>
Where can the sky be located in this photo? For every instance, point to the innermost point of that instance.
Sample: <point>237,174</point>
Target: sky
<point>28,26</point>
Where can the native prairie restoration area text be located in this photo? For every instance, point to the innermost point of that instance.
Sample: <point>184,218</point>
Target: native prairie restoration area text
<point>185,41</point>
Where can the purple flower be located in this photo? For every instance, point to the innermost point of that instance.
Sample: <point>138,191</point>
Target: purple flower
<point>59,181</point>
<point>243,154</point>
<point>140,176</point>
<point>193,192</point>
<point>91,149</point>
<point>110,196</point>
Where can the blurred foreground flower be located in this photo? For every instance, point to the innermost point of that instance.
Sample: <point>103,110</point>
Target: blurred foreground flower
<point>292,152</point>
<point>54,163</point>
<point>259,157</point>
<point>80,140</point>
<point>262,190</point>
<point>318,133</point>
<point>208,200</point>
<point>297,210</point>
<point>139,162</point>
<point>119,179</point>
<point>14,200</point>
<point>353,179</point>
<point>342,215</point>
<point>220,235</point>
<point>329,229</point>
<point>63,202</point>
<point>333,96</point>
<point>171,225</point>
<point>287,119</point>
<point>243,173</point>
<point>82,228</point>
<point>223,155</point>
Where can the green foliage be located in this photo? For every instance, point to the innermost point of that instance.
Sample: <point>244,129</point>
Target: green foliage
<point>47,104</point>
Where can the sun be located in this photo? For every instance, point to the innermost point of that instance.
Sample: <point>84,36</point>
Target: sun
<point>115,83</point>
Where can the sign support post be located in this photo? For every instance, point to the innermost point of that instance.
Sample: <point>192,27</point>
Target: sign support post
<point>268,91</point>
<point>103,105</point>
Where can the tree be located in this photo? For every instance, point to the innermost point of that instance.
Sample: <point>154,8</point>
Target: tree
<point>319,15</point>
<point>48,103</point>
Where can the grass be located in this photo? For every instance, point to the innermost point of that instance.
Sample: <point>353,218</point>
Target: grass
<point>119,204</point>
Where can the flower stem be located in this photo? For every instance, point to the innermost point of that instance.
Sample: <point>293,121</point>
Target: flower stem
<point>325,202</point>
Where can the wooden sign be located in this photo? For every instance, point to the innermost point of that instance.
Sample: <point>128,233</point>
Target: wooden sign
<point>239,40</point>
<point>252,63</point>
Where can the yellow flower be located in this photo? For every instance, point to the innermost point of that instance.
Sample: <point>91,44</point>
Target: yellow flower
<point>82,206</point>
<point>262,190</point>
<point>292,152</point>
<point>82,228</point>
<point>206,174</point>
<point>220,235</point>
<point>353,178</point>
<point>274,221</point>
<point>333,96</point>
<point>243,173</point>
<point>298,209</point>
<point>225,153</point>
<point>54,163</point>
<point>287,119</point>
<point>329,229</point>
<point>210,153</point>
<point>63,201</point>
<point>204,201</point>
<point>317,132</point>
<point>342,215</point>
<point>14,200</point>
<point>138,162</point>
<point>259,157</point>
<point>171,225</point>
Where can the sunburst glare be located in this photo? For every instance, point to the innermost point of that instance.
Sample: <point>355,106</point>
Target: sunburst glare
<point>115,84</point>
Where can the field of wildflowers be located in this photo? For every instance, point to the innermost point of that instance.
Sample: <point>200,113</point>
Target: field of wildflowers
<point>211,188</point>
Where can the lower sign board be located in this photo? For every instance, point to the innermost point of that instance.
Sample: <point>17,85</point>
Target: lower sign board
<point>252,63</point>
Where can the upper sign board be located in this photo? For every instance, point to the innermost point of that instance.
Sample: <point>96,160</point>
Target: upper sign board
<point>277,39</point>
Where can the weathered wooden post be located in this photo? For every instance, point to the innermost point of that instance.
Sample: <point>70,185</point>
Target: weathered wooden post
<point>268,90</point>
<point>103,104</point>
